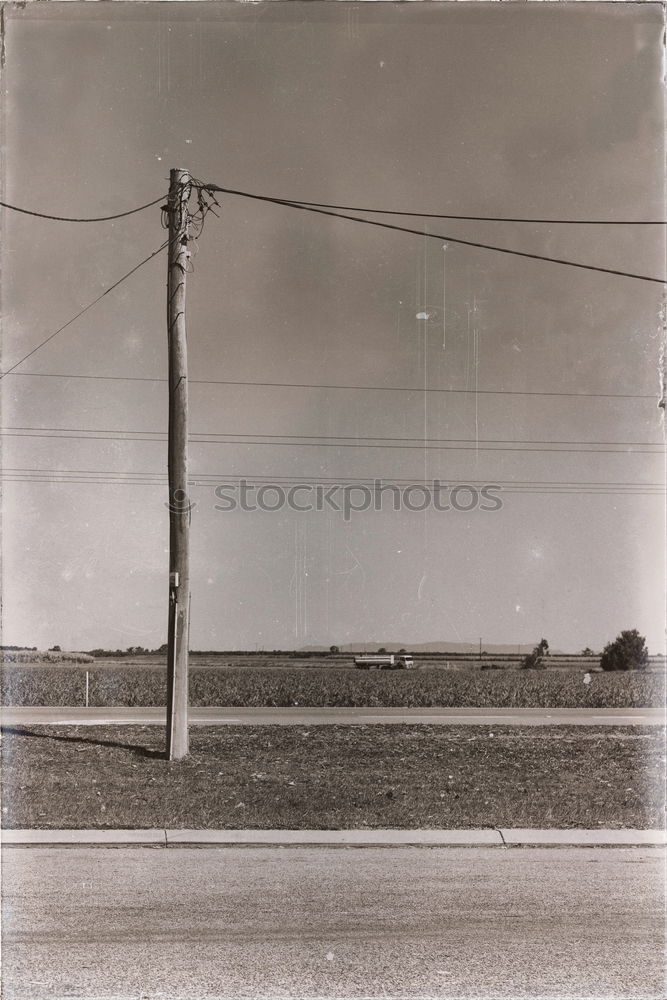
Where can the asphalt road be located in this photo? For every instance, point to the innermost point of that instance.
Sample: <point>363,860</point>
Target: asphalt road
<point>341,716</point>
<point>331,923</point>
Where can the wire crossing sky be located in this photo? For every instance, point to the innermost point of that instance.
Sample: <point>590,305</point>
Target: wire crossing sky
<point>348,208</point>
<point>361,388</point>
<point>101,218</point>
<point>85,308</point>
<point>448,239</point>
<point>311,206</point>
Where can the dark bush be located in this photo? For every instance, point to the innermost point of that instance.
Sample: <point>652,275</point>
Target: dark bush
<point>535,660</point>
<point>627,652</point>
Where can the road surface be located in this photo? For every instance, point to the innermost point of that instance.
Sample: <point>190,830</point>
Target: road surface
<point>341,716</point>
<point>330,923</point>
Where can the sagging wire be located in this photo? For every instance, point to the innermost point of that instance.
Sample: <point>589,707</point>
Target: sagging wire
<point>69,218</point>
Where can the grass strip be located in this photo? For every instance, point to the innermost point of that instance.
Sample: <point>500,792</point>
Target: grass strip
<point>334,777</point>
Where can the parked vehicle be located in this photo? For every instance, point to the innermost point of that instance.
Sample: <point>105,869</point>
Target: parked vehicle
<point>390,661</point>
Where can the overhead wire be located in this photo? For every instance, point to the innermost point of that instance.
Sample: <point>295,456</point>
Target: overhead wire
<point>463,218</point>
<point>85,309</point>
<point>99,477</point>
<point>204,479</point>
<point>601,489</point>
<point>69,218</point>
<point>328,437</point>
<point>200,185</point>
<point>332,480</point>
<point>341,444</point>
<point>438,236</point>
<point>196,220</point>
<point>366,388</point>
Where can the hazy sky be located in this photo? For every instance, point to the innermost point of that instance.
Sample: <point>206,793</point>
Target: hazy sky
<point>542,111</point>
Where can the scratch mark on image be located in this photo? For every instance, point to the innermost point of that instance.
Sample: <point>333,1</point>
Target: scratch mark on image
<point>300,576</point>
<point>475,349</point>
<point>662,360</point>
<point>444,296</point>
<point>357,565</point>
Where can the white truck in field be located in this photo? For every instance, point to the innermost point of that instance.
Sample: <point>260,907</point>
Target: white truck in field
<point>386,661</point>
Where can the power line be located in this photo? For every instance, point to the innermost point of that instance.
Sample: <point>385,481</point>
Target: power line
<point>100,218</point>
<point>525,491</point>
<point>366,388</point>
<point>505,492</point>
<point>330,444</point>
<point>335,437</point>
<point>434,215</point>
<point>199,479</point>
<point>438,236</point>
<point>197,219</point>
<point>370,481</point>
<point>156,479</point>
<point>85,309</point>
<point>334,480</point>
<point>443,488</point>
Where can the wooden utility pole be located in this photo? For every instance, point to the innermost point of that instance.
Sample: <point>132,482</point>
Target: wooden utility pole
<point>179,505</point>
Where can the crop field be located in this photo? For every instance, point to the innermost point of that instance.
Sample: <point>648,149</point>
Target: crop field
<point>47,656</point>
<point>283,661</point>
<point>112,685</point>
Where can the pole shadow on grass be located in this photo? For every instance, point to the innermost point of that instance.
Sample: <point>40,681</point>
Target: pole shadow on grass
<point>134,748</point>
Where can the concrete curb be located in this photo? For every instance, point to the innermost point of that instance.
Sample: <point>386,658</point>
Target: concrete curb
<point>304,716</point>
<point>584,838</point>
<point>80,838</point>
<point>334,838</point>
<point>338,838</point>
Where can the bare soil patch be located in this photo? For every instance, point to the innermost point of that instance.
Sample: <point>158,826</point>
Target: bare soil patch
<point>334,777</point>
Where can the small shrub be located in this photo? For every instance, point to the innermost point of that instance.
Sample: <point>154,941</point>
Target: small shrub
<point>535,660</point>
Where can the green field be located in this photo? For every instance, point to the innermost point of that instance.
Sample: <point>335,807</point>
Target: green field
<point>256,685</point>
